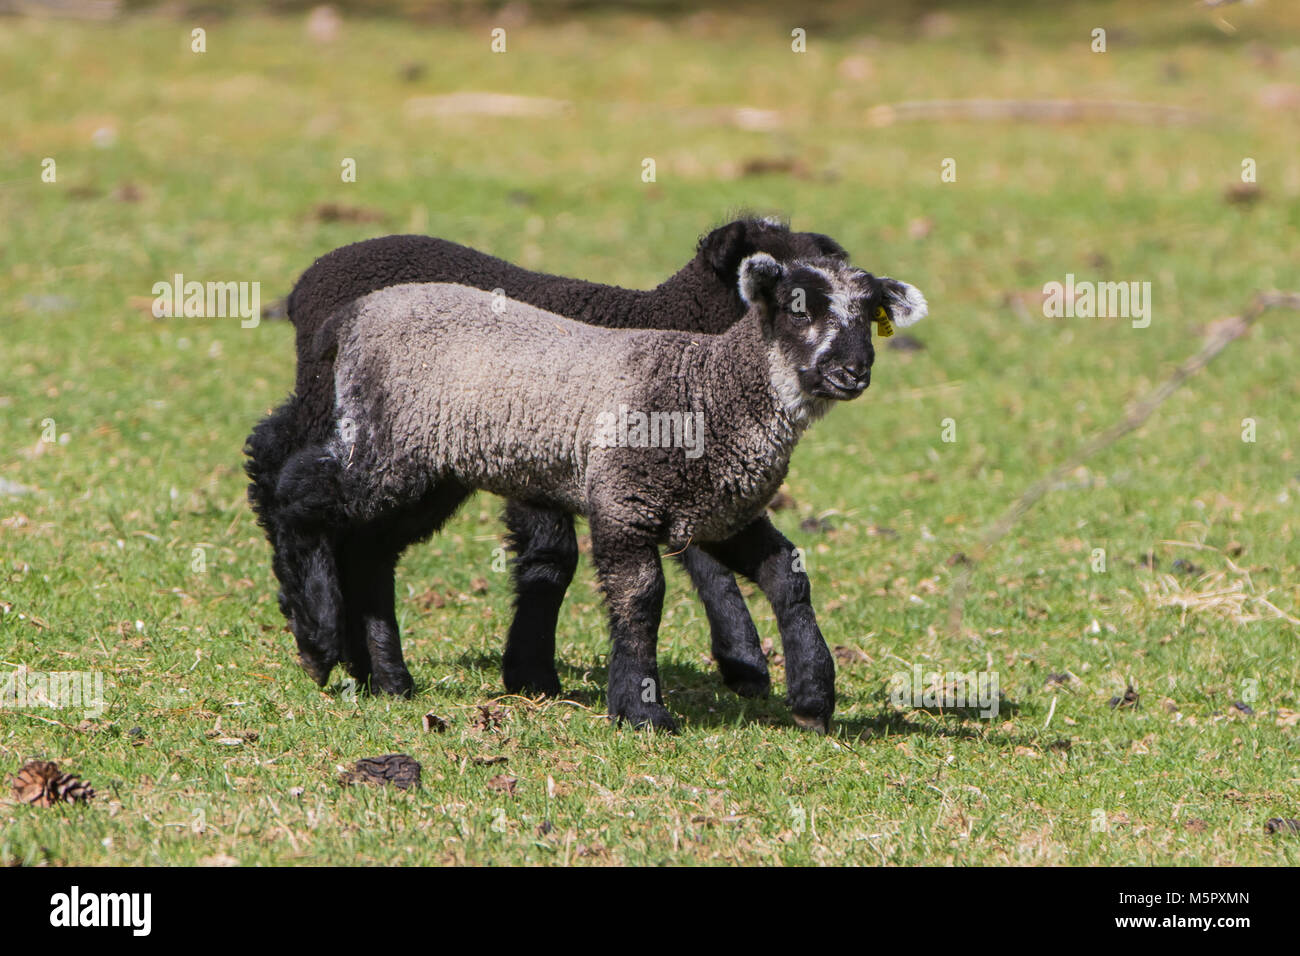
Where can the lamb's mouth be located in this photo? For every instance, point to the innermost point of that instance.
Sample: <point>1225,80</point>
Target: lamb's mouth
<point>838,385</point>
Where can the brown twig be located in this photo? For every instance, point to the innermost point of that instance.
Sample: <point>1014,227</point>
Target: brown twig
<point>1225,334</point>
<point>673,554</point>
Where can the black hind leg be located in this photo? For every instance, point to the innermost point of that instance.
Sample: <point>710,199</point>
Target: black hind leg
<point>367,557</point>
<point>736,646</point>
<point>546,556</point>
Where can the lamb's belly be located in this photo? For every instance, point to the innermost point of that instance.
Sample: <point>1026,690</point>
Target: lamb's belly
<point>515,453</point>
<point>550,487</point>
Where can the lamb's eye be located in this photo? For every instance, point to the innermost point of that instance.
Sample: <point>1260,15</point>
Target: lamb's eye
<point>797,306</point>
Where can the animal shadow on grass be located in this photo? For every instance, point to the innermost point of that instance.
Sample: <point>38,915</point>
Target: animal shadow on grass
<point>954,722</point>
<point>696,694</point>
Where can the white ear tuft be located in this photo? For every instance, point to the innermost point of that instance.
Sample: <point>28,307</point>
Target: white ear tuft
<point>906,304</point>
<point>759,275</point>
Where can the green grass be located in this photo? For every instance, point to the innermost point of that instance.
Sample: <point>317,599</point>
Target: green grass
<point>230,152</point>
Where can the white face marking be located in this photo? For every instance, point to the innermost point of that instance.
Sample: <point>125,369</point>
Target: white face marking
<point>828,339</point>
<point>844,297</point>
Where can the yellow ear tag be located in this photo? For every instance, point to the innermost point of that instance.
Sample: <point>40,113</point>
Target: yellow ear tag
<point>883,325</point>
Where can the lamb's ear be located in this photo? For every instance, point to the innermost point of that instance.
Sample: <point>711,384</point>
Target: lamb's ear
<point>725,247</point>
<point>905,304</point>
<point>828,247</point>
<point>759,275</point>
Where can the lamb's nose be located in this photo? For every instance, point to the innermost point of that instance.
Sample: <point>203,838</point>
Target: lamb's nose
<point>860,371</point>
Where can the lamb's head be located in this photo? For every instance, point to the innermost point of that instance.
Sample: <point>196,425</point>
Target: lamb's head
<point>723,249</point>
<point>816,315</point>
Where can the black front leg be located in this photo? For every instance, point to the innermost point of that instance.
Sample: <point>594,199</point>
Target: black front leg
<point>547,555</point>
<point>736,646</point>
<point>375,643</point>
<point>633,581</point>
<point>766,557</point>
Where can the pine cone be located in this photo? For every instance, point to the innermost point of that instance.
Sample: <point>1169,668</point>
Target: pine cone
<point>40,782</point>
<point>400,770</point>
<point>488,717</point>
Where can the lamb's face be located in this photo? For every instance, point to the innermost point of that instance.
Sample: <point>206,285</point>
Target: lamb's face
<point>817,314</point>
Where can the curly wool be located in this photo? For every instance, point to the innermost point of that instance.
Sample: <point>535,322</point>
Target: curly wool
<point>436,383</point>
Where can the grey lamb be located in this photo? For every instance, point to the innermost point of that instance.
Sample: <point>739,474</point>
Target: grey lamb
<point>442,389</point>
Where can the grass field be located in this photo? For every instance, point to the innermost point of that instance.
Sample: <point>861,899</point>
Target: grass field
<point>127,547</point>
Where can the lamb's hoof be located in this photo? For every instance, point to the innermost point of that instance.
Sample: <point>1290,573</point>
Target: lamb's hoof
<point>359,675</point>
<point>817,724</point>
<point>317,669</point>
<point>396,683</point>
<point>649,717</point>
<point>531,682</point>
<point>537,689</point>
<point>746,679</point>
